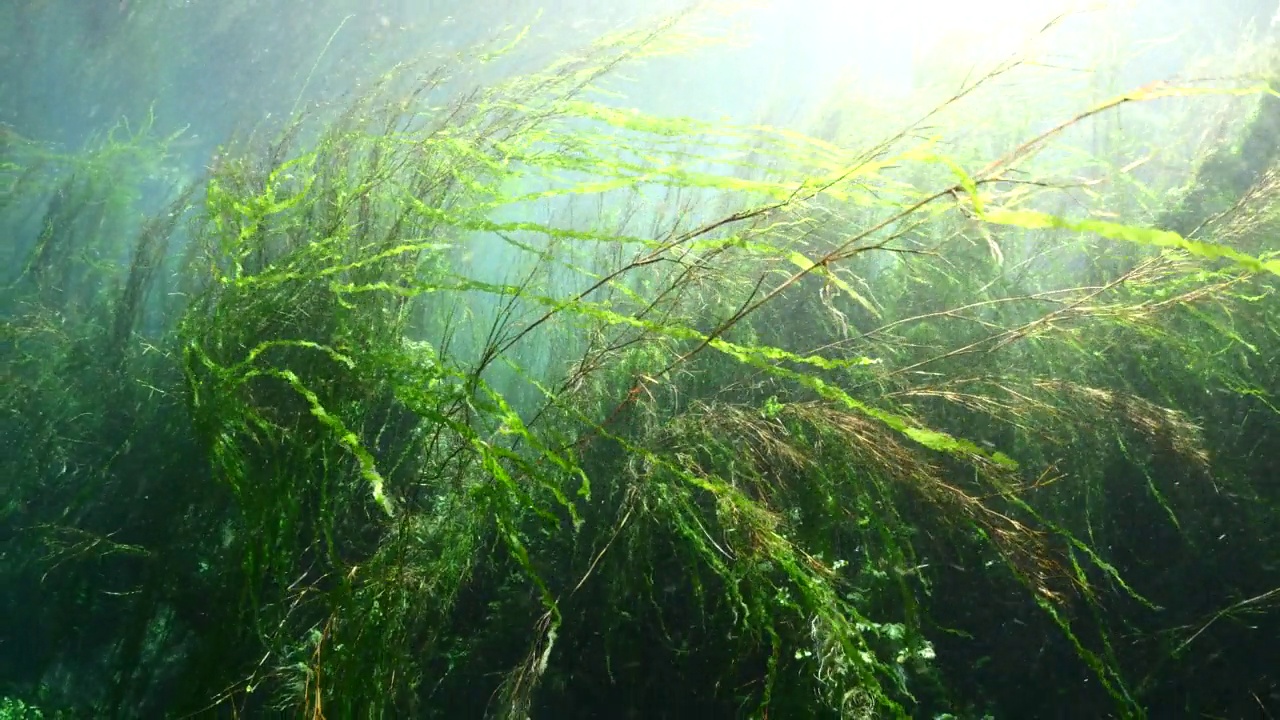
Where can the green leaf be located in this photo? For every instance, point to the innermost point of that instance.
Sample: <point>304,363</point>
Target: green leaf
<point>1032,220</point>
<point>804,263</point>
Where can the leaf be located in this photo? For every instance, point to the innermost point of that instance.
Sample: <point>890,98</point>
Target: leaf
<point>1032,220</point>
<point>804,263</point>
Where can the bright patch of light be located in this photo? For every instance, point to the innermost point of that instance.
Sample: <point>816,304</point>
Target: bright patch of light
<point>998,26</point>
<point>882,40</point>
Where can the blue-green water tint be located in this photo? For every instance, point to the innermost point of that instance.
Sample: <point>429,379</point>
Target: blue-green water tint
<point>817,513</point>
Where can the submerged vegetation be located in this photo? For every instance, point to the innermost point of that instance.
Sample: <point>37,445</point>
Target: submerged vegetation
<point>514,402</point>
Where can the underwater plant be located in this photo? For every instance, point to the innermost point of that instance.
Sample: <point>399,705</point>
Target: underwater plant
<point>509,400</point>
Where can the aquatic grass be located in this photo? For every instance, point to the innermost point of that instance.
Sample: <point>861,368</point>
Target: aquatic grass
<point>405,447</point>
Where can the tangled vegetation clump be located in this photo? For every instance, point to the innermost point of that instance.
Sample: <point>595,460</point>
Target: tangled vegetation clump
<point>520,404</point>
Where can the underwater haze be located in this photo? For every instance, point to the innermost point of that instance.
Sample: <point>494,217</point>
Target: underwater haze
<point>537,360</point>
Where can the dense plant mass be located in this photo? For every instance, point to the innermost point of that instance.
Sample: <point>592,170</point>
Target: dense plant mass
<point>517,402</point>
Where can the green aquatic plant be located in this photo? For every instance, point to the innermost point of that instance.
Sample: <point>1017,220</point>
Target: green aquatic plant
<point>523,403</point>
